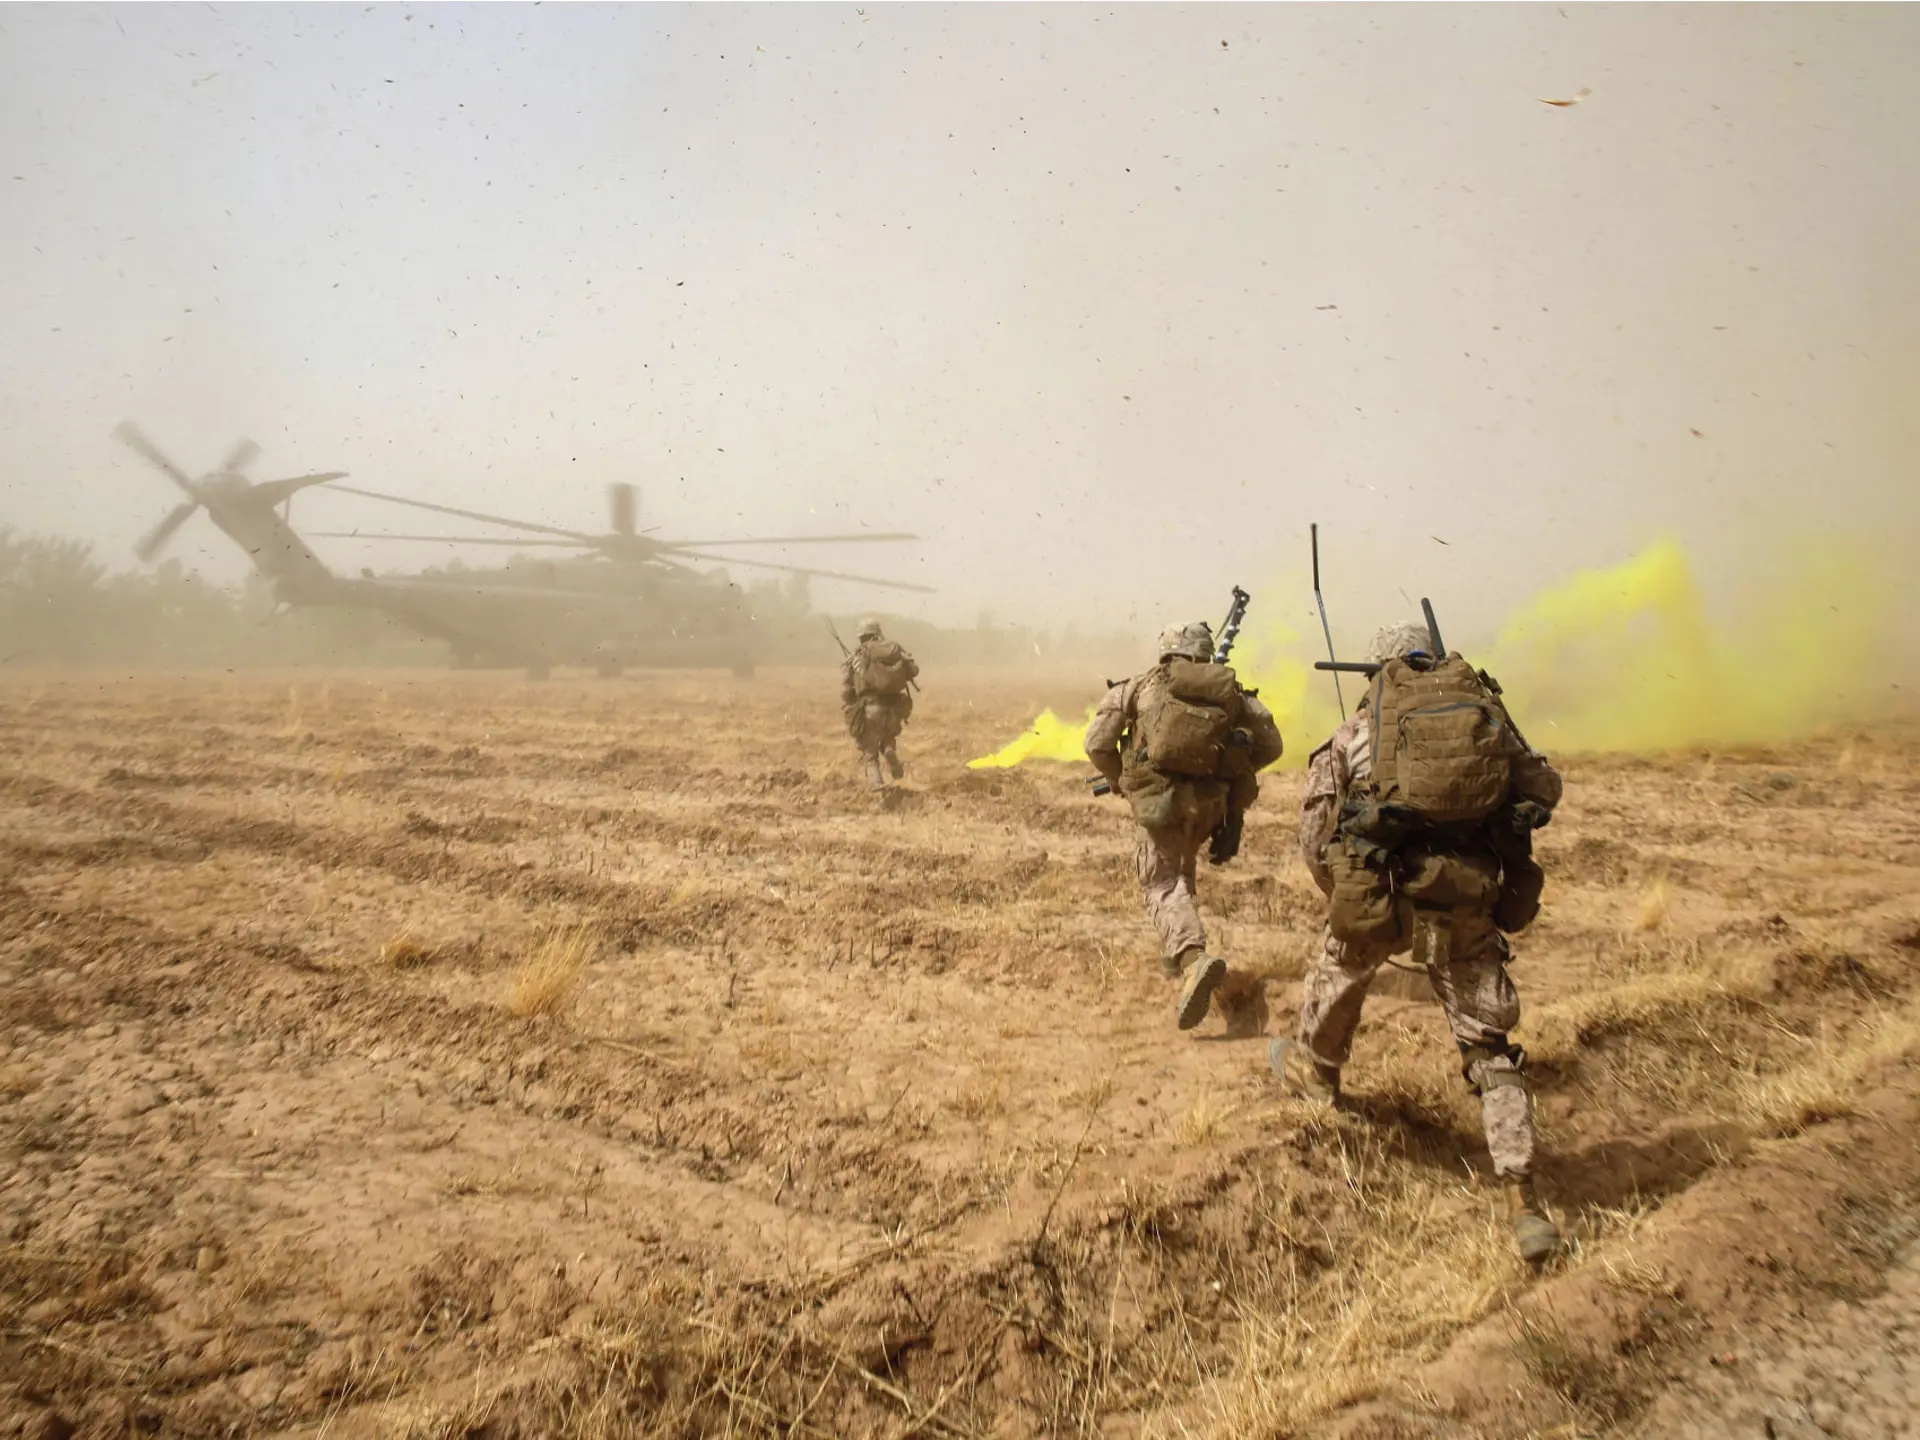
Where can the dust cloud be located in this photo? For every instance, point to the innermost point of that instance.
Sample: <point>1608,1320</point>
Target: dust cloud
<point>1106,306</point>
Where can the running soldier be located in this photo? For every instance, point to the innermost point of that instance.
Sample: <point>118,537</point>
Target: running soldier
<point>876,697</point>
<point>1183,742</point>
<point>1416,822</point>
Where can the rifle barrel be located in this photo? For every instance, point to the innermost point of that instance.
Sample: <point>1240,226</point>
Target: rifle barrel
<point>1347,667</point>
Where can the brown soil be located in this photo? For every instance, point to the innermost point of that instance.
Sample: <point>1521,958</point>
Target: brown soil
<point>434,1056</point>
<point>1850,1370</point>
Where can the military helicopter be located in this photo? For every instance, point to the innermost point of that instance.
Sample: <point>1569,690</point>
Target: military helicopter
<point>626,599</point>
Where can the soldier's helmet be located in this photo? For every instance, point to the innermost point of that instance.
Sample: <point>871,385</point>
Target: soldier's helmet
<point>1192,641</point>
<point>1396,642</point>
<point>869,629</point>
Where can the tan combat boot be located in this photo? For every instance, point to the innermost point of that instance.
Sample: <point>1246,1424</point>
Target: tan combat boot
<point>1301,1075</point>
<point>1536,1235</point>
<point>1196,996</point>
<point>894,767</point>
<point>875,779</point>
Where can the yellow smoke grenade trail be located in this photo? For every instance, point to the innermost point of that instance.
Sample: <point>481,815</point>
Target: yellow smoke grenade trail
<point>1628,659</point>
<point>1621,658</point>
<point>1050,738</point>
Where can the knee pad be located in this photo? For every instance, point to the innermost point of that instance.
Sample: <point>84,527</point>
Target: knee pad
<point>1494,1047</point>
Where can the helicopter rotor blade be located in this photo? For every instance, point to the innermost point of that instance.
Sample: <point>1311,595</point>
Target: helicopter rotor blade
<point>274,491</point>
<point>797,540</point>
<point>448,539</point>
<point>803,570</point>
<point>155,539</point>
<point>128,434</point>
<point>484,519</point>
<point>244,453</point>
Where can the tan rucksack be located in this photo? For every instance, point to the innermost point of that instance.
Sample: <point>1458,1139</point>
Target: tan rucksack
<point>886,668</point>
<point>1186,721</point>
<point>1442,746</point>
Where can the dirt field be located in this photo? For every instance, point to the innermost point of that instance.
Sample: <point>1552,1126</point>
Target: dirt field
<point>446,1056</point>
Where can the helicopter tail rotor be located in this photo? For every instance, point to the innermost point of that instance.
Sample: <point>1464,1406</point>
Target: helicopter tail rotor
<point>225,487</point>
<point>155,540</point>
<point>129,435</point>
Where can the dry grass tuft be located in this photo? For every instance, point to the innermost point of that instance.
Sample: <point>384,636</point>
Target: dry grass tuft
<point>1418,1261</point>
<point>404,952</point>
<point>549,976</point>
<point>1827,1086</point>
<point>1203,1123</point>
<point>1563,1028</point>
<point>1655,906</point>
<point>985,1099</point>
<point>1094,1094</point>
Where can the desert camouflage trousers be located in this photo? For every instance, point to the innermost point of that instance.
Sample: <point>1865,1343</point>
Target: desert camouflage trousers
<point>1469,974</point>
<point>1165,860</point>
<point>875,722</point>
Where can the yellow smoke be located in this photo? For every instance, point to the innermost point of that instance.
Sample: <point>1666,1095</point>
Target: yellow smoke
<point>1620,658</point>
<point>1048,738</point>
<point>1628,658</point>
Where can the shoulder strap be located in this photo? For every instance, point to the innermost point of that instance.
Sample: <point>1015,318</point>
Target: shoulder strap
<point>1374,692</point>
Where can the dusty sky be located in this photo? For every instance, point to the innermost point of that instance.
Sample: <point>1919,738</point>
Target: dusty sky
<point>1108,303</point>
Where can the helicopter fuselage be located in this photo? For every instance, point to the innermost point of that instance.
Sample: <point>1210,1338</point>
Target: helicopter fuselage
<point>536,614</point>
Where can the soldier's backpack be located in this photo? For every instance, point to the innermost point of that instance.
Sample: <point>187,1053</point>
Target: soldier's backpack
<point>887,669</point>
<point>1186,723</point>
<point>1442,747</point>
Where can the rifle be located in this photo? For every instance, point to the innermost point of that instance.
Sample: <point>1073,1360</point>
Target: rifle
<point>1229,632</point>
<point>1224,843</point>
<point>1230,629</point>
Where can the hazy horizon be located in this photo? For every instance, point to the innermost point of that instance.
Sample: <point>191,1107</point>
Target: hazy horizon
<point>1106,303</point>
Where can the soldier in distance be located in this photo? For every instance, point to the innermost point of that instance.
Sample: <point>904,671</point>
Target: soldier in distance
<point>1417,829</point>
<point>876,697</point>
<point>1182,742</point>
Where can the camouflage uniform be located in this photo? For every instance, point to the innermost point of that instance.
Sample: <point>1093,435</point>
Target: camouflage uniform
<point>874,720</point>
<point>1166,856</point>
<point>1464,952</point>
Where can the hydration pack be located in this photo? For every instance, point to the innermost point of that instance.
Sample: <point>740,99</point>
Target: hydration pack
<point>1188,720</point>
<point>1443,749</point>
<point>886,669</point>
